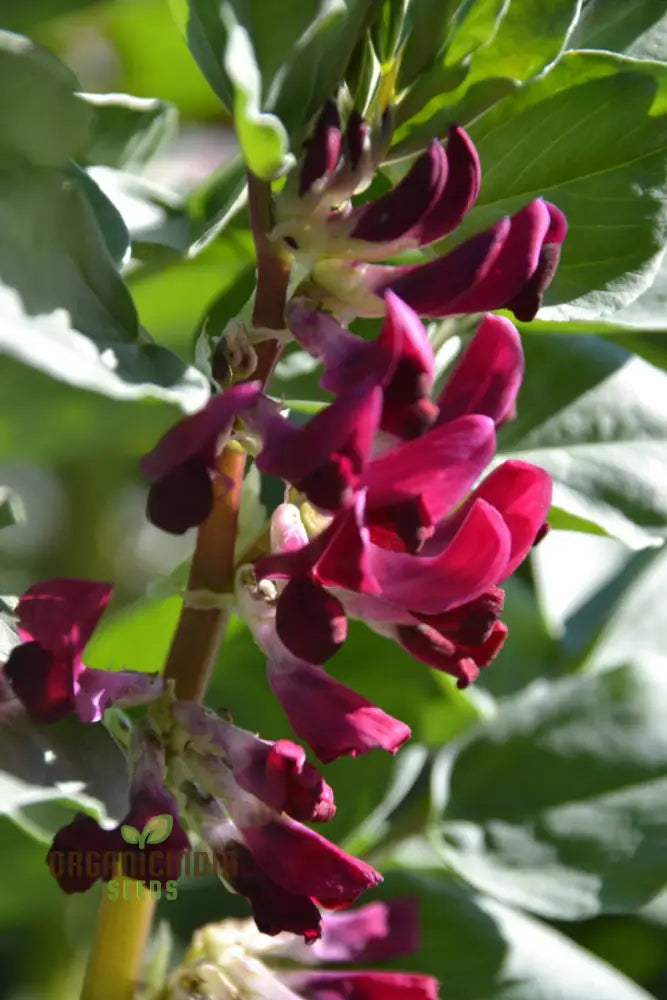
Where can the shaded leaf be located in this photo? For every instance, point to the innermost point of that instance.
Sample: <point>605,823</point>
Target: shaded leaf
<point>126,131</point>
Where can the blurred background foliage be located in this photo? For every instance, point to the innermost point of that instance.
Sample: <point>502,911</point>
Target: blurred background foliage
<point>521,898</point>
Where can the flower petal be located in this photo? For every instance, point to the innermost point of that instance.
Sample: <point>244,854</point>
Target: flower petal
<point>181,499</point>
<point>310,622</point>
<point>323,149</point>
<point>488,376</point>
<point>62,614</point>
<point>44,683</point>
<point>362,985</point>
<point>467,565</point>
<point>300,858</point>
<point>198,433</point>
<point>97,690</point>
<point>333,719</point>
<point>460,191</point>
<point>521,492</point>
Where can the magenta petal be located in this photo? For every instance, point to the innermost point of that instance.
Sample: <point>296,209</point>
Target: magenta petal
<point>513,266</point>
<point>347,359</point>
<point>352,985</point>
<point>488,376</point>
<point>333,719</point>
<point>323,149</point>
<point>437,288</point>
<point>395,215</point>
<point>344,560</point>
<point>473,560</point>
<point>439,467</point>
<point>326,456</point>
<point>300,859</point>
<point>275,908</point>
<point>43,683</point>
<point>407,410</point>
<point>62,614</point>
<point>310,622</point>
<point>460,190</point>
<point>372,933</point>
<point>526,302</point>
<point>431,646</point>
<point>198,433</point>
<point>97,690</point>
<point>522,494</point>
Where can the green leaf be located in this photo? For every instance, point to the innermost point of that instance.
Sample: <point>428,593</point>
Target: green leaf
<point>637,27</point>
<point>272,57</point>
<point>11,508</point>
<point>157,829</point>
<point>559,804</point>
<point>481,949</point>
<point>262,137</point>
<point>64,308</point>
<point>66,762</point>
<point>555,138</point>
<point>127,131</point>
<point>43,123</point>
<point>595,417</point>
<point>130,834</point>
<point>109,220</point>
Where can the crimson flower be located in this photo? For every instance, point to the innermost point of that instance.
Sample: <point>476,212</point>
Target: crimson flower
<point>56,618</point>
<point>510,265</point>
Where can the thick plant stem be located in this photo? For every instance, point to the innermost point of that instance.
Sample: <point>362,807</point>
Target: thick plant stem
<point>123,926</point>
<point>114,966</point>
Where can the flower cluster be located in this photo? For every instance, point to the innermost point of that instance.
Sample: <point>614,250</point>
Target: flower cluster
<point>231,959</point>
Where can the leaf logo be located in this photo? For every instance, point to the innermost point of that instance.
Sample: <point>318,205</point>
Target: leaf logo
<point>156,831</point>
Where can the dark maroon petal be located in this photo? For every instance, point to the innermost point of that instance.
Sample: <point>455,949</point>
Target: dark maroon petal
<point>400,527</point>
<point>460,190</point>
<point>310,621</point>
<point>43,683</point>
<point>439,467</point>
<point>528,299</point>
<point>488,375</point>
<point>464,568</point>
<point>434,289</point>
<point>81,853</point>
<point>62,614</point>
<point>333,719</point>
<point>323,149</point>
<point>198,434</point>
<point>435,648</point>
<point>182,499</point>
<point>275,908</point>
<point>407,409</point>
<point>522,494</point>
<point>155,861</point>
<point>97,690</point>
<point>514,265</point>
<point>297,787</point>
<point>394,215</point>
<point>299,858</point>
<point>472,623</point>
<point>326,456</point>
<point>354,138</point>
<point>362,985</point>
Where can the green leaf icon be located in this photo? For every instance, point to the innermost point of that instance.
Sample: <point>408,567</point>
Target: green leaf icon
<point>129,834</point>
<point>157,829</point>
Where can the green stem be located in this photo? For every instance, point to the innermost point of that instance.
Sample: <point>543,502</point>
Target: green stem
<point>114,965</point>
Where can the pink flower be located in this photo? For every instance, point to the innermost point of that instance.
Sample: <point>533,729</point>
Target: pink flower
<point>412,544</point>
<point>56,619</point>
<point>348,985</point>
<point>182,466</point>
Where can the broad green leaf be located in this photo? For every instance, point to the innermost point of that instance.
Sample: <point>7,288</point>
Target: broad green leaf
<point>649,311</point>
<point>130,834</point>
<point>480,949</point>
<point>11,508</point>
<point>559,804</point>
<point>271,57</point>
<point>157,829</point>
<point>126,131</point>
<point>595,417</point>
<point>64,308</point>
<point>67,762</point>
<point>41,120</point>
<point>555,138</point>
<point>109,220</point>
<point>216,202</point>
<point>262,137</point>
<point>637,27</point>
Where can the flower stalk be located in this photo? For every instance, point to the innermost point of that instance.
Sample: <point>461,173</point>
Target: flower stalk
<point>114,965</point>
